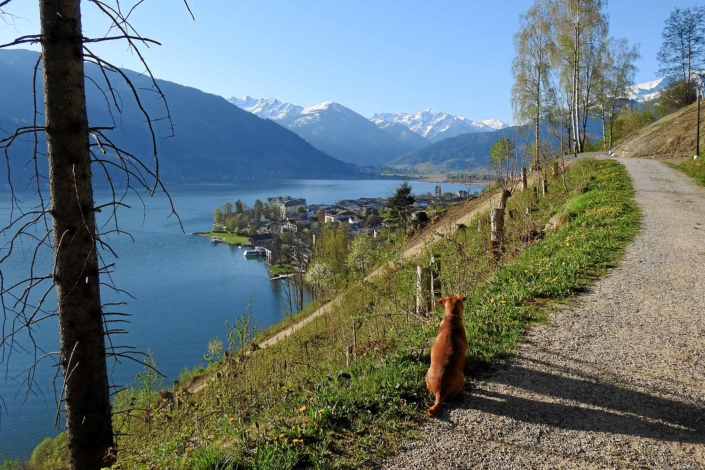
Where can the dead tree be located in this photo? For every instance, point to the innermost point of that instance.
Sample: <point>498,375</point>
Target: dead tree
<point>74,150</point>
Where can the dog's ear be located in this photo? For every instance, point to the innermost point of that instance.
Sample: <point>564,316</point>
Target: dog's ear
<point>442,301</point>
<point>462,298</point>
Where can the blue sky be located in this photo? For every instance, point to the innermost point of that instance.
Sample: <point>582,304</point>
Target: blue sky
<point>371,56</point>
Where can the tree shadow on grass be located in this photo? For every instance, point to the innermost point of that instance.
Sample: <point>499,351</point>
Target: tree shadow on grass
<point>593,406</point>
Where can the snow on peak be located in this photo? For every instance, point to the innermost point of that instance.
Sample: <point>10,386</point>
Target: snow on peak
<point>267,108</point>
<point>330,106</point>
<point>436,125</point>
<point>318,107</point>
<point>494,123</point>
<point>649,90</point>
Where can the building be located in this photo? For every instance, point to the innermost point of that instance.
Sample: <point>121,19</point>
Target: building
<point>340,216</point>
<point>260,239</point>
<point>290,207</point>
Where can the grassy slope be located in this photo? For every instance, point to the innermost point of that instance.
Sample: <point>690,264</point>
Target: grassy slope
<point>671,139</point>
<point>298,403</point>
<point>694,168</point>
<point>229,238</point>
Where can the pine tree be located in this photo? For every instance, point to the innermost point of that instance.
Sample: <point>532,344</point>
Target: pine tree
<point>401,203</point>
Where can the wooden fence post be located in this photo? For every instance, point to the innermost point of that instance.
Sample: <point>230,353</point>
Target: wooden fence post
<point>435,278</point>
<point>354,339</point>
<point>496,231</point>
<point>423,288</point>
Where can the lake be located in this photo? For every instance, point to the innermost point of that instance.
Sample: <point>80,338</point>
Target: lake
<point>185,289</point>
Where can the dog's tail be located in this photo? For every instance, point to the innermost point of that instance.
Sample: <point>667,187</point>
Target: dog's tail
<point>437,405</point>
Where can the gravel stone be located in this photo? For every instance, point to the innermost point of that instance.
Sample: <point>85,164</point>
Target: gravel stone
<point>615,381</point>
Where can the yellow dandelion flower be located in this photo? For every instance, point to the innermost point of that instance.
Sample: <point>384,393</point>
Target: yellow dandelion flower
<point>297,441</point>
<point>231,420</point>
<point>281,436</point>
<point>303,408</point>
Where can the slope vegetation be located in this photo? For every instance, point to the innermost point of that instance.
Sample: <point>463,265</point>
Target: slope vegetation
<point>343,390</point>
<point>672,136</point>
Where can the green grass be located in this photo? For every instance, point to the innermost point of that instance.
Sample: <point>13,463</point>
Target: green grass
<point>694,168</point>
<point>299,404</point>
<point>277,269</point>
<point>230,238</point>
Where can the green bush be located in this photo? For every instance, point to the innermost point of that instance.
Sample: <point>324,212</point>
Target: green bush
<point>51,454</point>
<point>630,120</point>
<point>10,464</point>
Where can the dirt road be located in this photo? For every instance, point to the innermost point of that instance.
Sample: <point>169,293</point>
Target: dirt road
<point>618,380</point>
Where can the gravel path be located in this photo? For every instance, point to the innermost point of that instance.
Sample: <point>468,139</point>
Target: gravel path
<point>616,381</point>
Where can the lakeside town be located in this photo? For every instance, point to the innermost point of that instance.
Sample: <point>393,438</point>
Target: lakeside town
<point>283,229</point>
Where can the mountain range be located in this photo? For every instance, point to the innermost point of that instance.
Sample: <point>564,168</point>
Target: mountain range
<point>213,140</point>
<point>332,127</point>
<point>437,125</point>
<point>216,141</point>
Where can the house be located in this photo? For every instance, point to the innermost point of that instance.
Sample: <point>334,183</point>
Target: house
<point>290,207</point>
<point>461,193</point>
<point>340,216</point>
<point>290,226</point>
<point>260,239</point>
<point>275,228</point>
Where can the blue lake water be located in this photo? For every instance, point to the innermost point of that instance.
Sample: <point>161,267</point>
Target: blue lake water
<point>185,289</point>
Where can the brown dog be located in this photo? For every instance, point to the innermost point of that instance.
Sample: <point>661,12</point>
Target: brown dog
<point>445,376</point>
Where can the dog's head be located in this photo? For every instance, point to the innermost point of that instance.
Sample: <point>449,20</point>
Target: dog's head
<point>453,305</point>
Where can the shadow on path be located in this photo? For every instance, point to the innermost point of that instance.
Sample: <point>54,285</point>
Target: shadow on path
<point>621,411</point>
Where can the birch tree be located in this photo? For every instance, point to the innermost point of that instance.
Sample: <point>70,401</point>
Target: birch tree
<point>531,67</point>
<point>682,52</point>
<point>580,26</point>
<point>616,75</point>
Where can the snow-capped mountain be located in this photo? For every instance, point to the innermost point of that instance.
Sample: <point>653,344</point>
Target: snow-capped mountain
<point>649,90</point>
<point>344,134</point>
<point>267,108</point>
<point>437,125</point>
<point>495,124</point>
<point>336,130</point>
<point>318,111</point>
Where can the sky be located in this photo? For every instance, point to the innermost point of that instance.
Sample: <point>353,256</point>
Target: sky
<point>369,55</point>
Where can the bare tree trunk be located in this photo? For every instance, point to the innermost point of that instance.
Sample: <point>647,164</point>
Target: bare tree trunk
<point>544,184</point>
<point>538,119</point>
<point>604,129</point>
<point>86,390</point>
<point>614,101</point>
<point>524,182</point>
<point>576,101</point>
